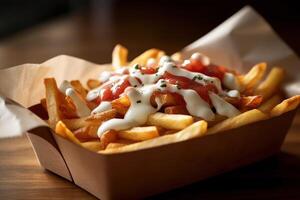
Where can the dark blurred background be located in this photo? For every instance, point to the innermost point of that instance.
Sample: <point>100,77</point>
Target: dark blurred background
<point>35,30</point>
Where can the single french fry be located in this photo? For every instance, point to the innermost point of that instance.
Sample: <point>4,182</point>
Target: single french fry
<point>170,121</point>
<point>118,143</point>
<point>68,108</point>
<point>196,129</point>
<point>93,83</point>
<point>53,100</point>
<point>108,137</point>
<point>92,145</point>
<point>98,118</point>
<point>139,133</point>
<point>271,84</point>
<point>62,130</point>
<point>87,132</point>
<point>177,57</point>
<point>160,54</point>
<point>245,118</point>
<point>76,123</point>
<point>268,105</point>
<point>119,56</point>
<point>252,78</point>
<point>44,103</point>
<point>143,58</point>
<point>76,84</point>
<point>166,99</point>
<point>121,105</point>
<point>285,106</point>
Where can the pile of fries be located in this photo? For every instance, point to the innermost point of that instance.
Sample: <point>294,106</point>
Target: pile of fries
<point>261,99</point>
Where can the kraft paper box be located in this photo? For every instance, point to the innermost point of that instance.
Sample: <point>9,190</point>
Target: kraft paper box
<point>240,42</point>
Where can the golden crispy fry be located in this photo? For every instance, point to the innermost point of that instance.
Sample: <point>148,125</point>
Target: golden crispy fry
<point>93,83</point>
<point>79,88</point>
<point>108,137</point>
<point>170,121</point>
<point>177,57</point>
<point>271,84</point>
<point>53,101</point>
<point>98,118</point>
<point>160,54</point>
<point>197,129</point>
<point>143,58</point>
<point>119,56</point>
<point>44,103</point>
<point>180,109</point>
<point>92,145</point>
<point>63,131</point>
<point>285,106</point>
<point>252,78</point>
<point>121,104</point>
<point>245,118</point>
<point>268,105</point>
<point>166,99</point>
<point>76,123</point>
<point>86,132</point>
<point>118,143</point>
<point>139,133</point>
<point>68,108</point>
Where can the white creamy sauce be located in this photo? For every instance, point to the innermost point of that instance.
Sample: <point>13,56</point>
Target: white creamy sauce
<point>143,86</point>
<point>223,107</point>
<point>202,58</point>
<point>81,108</point>
<point>150,62</point>
<point>231,82</point>
<point>195,105</point>
<point>103,106</point>
<point>104,76</point>
<point>64,86</point>
<point>234,93</point>
<point>138,112</point>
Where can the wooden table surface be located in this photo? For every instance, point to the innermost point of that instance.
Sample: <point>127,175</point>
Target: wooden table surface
<point>91,35</point>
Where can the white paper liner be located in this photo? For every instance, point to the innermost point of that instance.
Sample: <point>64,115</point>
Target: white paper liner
<point>242,41</point>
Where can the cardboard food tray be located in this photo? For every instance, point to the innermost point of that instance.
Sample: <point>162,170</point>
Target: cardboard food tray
<point>125,175</point>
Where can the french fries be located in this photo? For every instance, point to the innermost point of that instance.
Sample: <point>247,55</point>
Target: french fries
<point>248,117</point>
<point>108,137</point>
<point>52,101</point>
<point>92,145</point>
<point>268,105</point>
<point>98,118</point>
<point>257,100</point>
<point>63,131</point>
<point>170,121</point>
<point>177,57</point>
<point>196,129</point>
<point>143,58</point>
<point>271,84</point>
<point>92,83</point>
<point>139,133</point>
<point>79,88</point>
<point>87,132</point>
<point>119,56</point>
<point>252,78</point>
<point>285,106</point>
